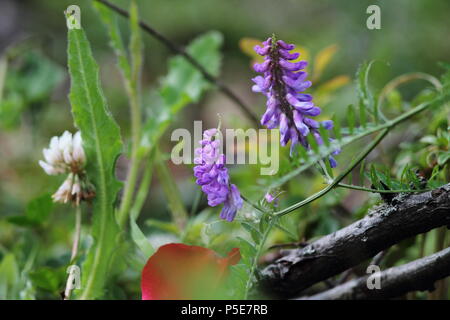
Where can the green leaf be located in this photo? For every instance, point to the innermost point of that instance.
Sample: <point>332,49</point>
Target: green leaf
<point>173,195</point>
<point>102,144</point>
<point>109,19</point>
<point>362,114</point>
<point>254,232</point>
<point>140,239</point>
<point>351,118</point>
<point>48,278</point>
<point>365,95</point>
<point>36,212</point>
<point>183,85</point>
<point>9,276</point>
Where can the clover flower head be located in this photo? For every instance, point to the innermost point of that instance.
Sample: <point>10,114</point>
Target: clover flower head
<point>212,175</point>
<point>65,155</point>
<point>288,108</point>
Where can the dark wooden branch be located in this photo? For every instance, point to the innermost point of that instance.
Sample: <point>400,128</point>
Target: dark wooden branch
<point>419,275</point>
<point>384,226</point>
<point>180,50</point>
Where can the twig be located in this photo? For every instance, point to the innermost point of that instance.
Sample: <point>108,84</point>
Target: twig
<point>179,50</point>
<point>417,275</point>
<point>384,226</point>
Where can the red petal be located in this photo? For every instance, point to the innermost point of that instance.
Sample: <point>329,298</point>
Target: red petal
<point>177,271</point>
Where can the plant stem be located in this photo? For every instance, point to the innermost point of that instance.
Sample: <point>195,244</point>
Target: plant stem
<point>336,181</point>
<point>132,86</point>
<point>179,50</point>
<point>130,184</point>
<point>75,245</point>
<point>353,187</point>
<point>142,192</point>
<point>258,253</point>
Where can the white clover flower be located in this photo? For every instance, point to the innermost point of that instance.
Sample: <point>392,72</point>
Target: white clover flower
<point>65,155</point>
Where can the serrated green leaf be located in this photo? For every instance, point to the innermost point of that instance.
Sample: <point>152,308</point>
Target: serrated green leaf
<point>109,19</point>
<point>102,144</point>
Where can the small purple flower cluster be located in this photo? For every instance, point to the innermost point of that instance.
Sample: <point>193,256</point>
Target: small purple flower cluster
<point>212,175</point>
<point>288,108</point>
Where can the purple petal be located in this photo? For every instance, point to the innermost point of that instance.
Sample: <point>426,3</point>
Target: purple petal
<point>298,121</point>
<point>327,124</point>
<point>262,67</point>
<point>288,56</point>
<point>262,51</point>
<point>285,45</point>
<point>293,66</point>
<point>311,123</point>
<point>315,111</point>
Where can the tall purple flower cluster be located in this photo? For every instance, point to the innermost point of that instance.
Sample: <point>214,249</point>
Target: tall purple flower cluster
<point>288,108</point>
<point>212,175</point>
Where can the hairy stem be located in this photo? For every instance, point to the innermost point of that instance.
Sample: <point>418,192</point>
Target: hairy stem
<point>353,187</point>
<point>336,181</point>
<point>256,257</point>
<point>75,245</point>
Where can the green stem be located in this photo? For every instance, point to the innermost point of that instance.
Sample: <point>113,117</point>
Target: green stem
<point>142,192</point>
<point>132,86</point>
<point>75,245</point>
<point>77,235</point>
<point>258,253</point>
<point>336,181</point>
<point>130,184</point>
<point>353,187</point>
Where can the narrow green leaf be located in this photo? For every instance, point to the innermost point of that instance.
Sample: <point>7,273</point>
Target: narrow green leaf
<point>337,128</point>
<point>109,19</point>
<point>362,114</point>
<point>351,118</point>
<point>172,192</point>
<point>9,276</point>
<point>361,172</point>
<point>102,144</point>
<point>313,143</point>
<point>364,92</point>
<point>328,168</point>
<point>254,232</point>
<point>325,136</point>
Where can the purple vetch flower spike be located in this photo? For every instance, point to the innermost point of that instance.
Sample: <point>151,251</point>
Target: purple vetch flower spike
<point>288,108</point>
<point>213,177</point>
